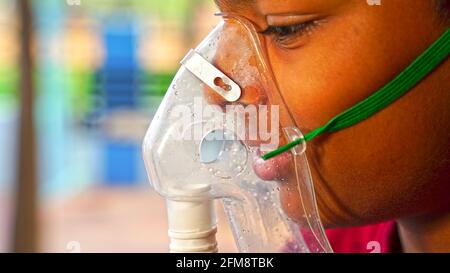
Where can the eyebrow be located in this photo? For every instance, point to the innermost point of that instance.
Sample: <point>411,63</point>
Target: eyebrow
<point>235,3</point>
<point>287,19</point>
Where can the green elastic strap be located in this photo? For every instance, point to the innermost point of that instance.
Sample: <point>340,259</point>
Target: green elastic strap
<point>404,82</point>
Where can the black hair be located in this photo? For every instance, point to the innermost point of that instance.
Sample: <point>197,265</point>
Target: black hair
<point>443,7</point>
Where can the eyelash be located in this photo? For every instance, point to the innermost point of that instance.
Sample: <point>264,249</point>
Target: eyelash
<point>281,34</point>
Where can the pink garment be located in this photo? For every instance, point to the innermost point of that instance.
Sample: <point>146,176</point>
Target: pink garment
<point>379,238</point>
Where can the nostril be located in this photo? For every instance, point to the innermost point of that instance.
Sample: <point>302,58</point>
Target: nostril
<point>212,97</point>
<point>220,83</point>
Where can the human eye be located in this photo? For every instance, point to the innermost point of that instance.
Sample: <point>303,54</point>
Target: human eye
<point>288,36</point>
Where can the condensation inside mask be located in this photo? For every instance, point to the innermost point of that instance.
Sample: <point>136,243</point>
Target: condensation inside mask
<point>222,111</point>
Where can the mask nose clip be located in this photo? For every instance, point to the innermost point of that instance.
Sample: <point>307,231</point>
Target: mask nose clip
<point>211,76</point>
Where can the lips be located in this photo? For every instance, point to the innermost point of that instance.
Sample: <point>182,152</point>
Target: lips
<point>274,169</point>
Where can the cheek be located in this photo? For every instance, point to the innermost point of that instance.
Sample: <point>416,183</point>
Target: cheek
<point>377,170</point>
<point>316,89</point>
<point>371,171</point>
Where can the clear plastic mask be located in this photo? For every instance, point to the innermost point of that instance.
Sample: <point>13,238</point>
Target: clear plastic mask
<point>221,112</point>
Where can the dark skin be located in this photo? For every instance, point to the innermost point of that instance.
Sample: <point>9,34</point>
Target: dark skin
<point>394,165</point>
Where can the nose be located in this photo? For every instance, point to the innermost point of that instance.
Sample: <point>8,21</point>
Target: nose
<point>236,58</point>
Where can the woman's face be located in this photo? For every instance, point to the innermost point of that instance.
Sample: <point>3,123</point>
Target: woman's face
<point>327,55</point>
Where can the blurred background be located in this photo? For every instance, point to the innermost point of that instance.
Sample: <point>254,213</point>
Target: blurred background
<point>79,83</point>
